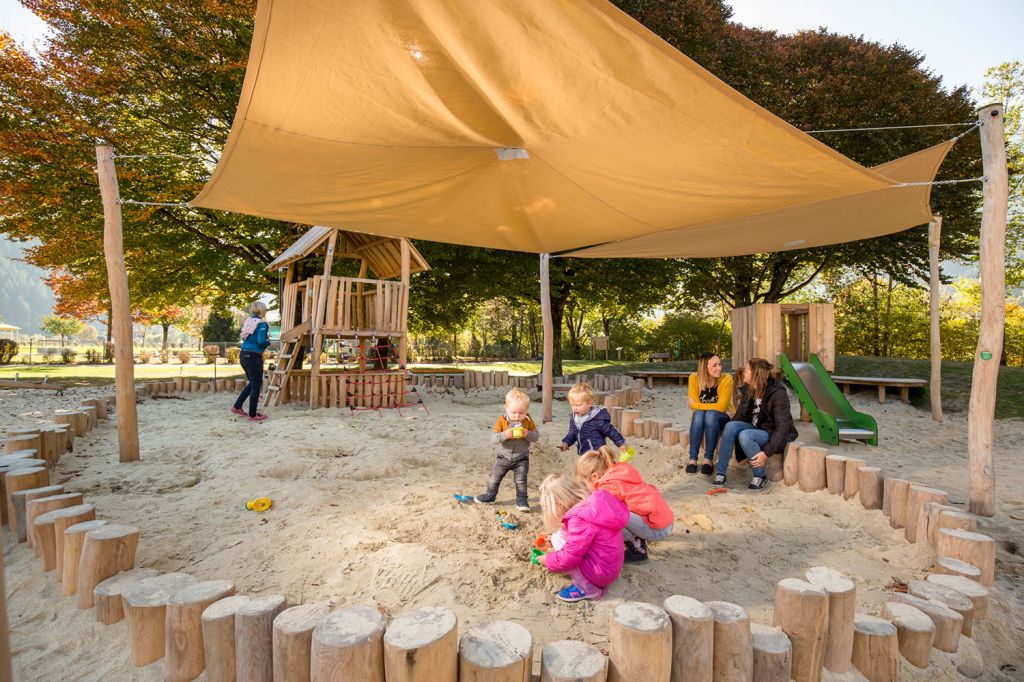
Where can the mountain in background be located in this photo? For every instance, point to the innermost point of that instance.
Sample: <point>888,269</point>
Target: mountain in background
<point>24,297</point>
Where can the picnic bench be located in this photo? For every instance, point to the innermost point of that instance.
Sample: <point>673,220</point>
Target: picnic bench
<point>651,375</point>
<point>882,383</point>
<point>662,357</point>
<point>38,385</point>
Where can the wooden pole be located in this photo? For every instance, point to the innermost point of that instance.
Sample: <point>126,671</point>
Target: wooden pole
<point>948,622</point>
<point>293,637</point>
<point>801,610</point>
<point>106,551</point>
<point>973,590</point>
<point>876,649</point>
<point>349,644</point>
<point>120,307</point>
<point>254,637</point>
<point>974,548</point>
<point>74,541</point>
<point>145,608</point>
<point>639,643</point>
<point>547,372</point>
<point>570,661</point>
<point>318,322</point>
<point>949,596</point>
<point>773,654</point>
<point>842,611</point>
<point>106,596</point>
<point>498,651</point>
<point>915,632</point>
<point>992,252</point>
<point>733,647</point>
<point>871,487</point>
<point>218,621</point>
<point>403,342</point>
<point>5,642</point>
<point>693,637</point>
<point>422,646</point>
<point>183,642</point>
<point>935,385</point>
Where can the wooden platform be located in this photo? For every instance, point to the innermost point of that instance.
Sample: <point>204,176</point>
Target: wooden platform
<point>882,383</point>
<point>651,375</point>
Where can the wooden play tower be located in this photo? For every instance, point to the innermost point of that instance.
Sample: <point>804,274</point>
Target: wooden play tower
<point>764,330</point>
<point>366,318</point>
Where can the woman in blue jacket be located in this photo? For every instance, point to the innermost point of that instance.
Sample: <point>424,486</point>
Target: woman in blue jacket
<point>255,340</point>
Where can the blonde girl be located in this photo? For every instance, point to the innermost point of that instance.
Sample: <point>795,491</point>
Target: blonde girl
<point>589,537</point>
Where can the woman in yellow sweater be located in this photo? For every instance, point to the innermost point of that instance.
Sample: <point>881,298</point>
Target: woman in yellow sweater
<point>711,402</point>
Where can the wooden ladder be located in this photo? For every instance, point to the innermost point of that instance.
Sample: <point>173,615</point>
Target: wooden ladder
<point>279,377</point>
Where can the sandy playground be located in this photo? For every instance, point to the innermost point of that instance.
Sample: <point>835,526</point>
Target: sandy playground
<point>363,514</point>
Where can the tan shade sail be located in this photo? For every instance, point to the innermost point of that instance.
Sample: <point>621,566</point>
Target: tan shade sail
<point>831,221</point>
<point>533,125</point>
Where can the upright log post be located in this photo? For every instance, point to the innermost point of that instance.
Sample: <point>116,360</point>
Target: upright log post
<point>254,637</point>
<point>639,643</point>
<point>842,611</point>
<point>934,281</point>
<point>422,646</point>
<point>403,342</point>
<point>120,307</point>
<point>547,372</point>
<point>570,661</point>
<point>349,642</point>
<point>218,621</point>
<point>693,638</point>
<point>145,607</point>
<point>801,610</point>
<point>991,255</point>
<point>107,595</point>
<point>5,642</point>
<point>876,649</point>
<point>293,638</point>
<point>183,636</point>
<point>733,647</point>
<point>499,651</point>
<point>773,654</point>
<point>915,632</point>
<point>74,541</point>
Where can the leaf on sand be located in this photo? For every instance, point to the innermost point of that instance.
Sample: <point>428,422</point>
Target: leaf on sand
<point>699,520</point>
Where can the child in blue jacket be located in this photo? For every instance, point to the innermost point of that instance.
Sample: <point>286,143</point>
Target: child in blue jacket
<point>589,426</point>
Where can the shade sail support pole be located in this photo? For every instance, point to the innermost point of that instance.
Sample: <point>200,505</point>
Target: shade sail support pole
<point>547,389</point>
<point>935,386</point>
<point>992,251</point>
<point>120,307</point>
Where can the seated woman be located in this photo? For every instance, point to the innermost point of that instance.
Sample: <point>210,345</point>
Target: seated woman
<point>763,424</point>
<point>711,402</point>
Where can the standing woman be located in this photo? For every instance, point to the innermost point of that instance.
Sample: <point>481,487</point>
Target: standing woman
<point>255,340</point>
<point>711,401</point>
<point>762,424</point>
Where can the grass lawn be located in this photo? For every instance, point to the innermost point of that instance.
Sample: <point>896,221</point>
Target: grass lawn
<point>956,376</point>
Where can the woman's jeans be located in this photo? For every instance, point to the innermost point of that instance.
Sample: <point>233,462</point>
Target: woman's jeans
<point>706,425</point>
<point>751,441</point>
<point>252,365</point>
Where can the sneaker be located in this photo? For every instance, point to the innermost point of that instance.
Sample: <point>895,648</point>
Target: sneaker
<point>706,468</point>
<point>486,498</point>
<point>523,505</point>
<point>640,545</point>
<point>240,412</point>
<point>757,484</point>
<point>258,418</point>
<point>719,479</point>
<point>572,594</point>
<point>691,468</point>
<point>633,556</point>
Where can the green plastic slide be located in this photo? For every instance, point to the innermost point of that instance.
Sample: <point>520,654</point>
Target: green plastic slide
<point>829,409</point>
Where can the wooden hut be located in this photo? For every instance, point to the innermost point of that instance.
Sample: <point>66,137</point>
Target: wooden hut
<point>764,330</point>
<point>320,308</point>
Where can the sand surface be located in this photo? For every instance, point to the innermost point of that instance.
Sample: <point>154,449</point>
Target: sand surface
<point>363,514</point>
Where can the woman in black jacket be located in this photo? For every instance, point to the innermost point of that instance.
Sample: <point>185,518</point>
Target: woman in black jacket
<point>762,424</point>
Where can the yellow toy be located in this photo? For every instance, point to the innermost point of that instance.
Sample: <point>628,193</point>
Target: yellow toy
<point>259,504</point>
<point>518,432</point>
<point>628,454</point>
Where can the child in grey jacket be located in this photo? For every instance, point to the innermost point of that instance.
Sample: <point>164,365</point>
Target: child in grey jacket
<point>513,432</point>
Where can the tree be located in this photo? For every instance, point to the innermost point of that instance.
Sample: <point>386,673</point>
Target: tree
<point>61,326</point>
<point>221,327</point>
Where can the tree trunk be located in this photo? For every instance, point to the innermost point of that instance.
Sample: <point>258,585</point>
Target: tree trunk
<point>166,328</point>
<point>875,349</point>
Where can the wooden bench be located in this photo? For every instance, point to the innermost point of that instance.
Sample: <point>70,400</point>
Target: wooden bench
<point>651,375</point>
<point>38,385</point>
<point>663,357</point>
<point>882,383</point>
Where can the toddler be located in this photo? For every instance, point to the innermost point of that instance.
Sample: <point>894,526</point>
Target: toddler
<point>589,426</point>
<point>650,517</point>
<point>514,431</point>
<point>590,533</point>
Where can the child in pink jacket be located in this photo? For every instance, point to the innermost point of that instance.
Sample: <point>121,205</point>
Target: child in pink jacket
<point>590,536</point>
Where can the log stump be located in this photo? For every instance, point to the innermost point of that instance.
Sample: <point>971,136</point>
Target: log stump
<point>15,480</point>
<point>952,518</point>
<point>21,500</point>
<point>48,445</point>
<point>950,566</point>
<point>773,654</point>
<point>349,644</point>
<point>774,468</point>
<point>950,597</point>
<point>91,415</point>
<point>25,441</point>
<point>499,651</point>
<point>107,551</point>
<point>801,610</point>
<point>570,661</point>
<point>40,506</point>
<point>812,468</point>
<point>74,540</point>
<point>915,632</point>
<point>100,404</point>
<point>835,473</point>
<point>66,417</point>
<point>851,481</point>
<point>842,611</point>
<point>948,622</point>
<point>670,436</point>
<point>640,428</point>
<point>918,495</point>
<point>791,464</point>
<point>876,649</point>
<point>973,590</point>
<point>218,621</point>
<point>639,643</point>
<point>62,520</point>
<point>107,595</point>
<point>292,640</point>
<point>145,609</point>
<point>733,653</point>
<point>183,636</point>
<point>894,502</point>
<point>693,638</point>
<point>973,548</point>
<point>254,637</point>
<point>422,646</point>
<point>870,487</point>
<point>628,417</point>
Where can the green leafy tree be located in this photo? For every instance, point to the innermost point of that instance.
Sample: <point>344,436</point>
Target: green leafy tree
<point>221,326</point>
<point>63,327</point>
